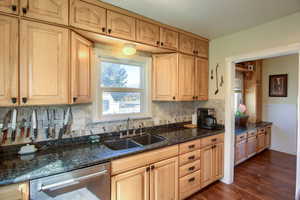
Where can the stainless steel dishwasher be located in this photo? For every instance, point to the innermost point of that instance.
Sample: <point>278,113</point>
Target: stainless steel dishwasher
<point>91,183</point>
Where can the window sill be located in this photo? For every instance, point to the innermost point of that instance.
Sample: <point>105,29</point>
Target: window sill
<point>104,119</point>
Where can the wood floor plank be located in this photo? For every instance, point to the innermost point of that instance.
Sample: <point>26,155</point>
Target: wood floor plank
<point>270,175</point>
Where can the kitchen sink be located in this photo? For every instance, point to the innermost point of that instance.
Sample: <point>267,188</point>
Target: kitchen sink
<point>148,139</point>
<point>121,144</point>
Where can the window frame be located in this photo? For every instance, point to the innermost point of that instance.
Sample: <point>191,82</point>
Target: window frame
<point>145,88</point>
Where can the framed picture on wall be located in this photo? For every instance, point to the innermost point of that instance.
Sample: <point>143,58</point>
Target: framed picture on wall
<point>278,85</point>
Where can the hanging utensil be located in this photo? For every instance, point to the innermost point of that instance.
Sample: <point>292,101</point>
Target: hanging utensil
<point>47,127</point>
<point>5,126</point>
<point>222,81</point>
<point>28,125</point>
<point>34,125</point>
<point>217,84</point>
<point>65,122</point>
<point>212,74</point>
<point>52,126</point>
<point>70,122</point>
<point>13,125</point>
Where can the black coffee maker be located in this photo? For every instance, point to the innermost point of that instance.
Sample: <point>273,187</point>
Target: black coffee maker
<point>206,119</point>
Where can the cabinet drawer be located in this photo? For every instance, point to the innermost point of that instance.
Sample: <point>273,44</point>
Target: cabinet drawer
<point>261,130</point>
<point>189,146</point>
<point>240,137</point>
<point>251,133</point>
<point>189,168</point>
<point>189,157</point>
<point>142,159</point>
<point>212,140</point>
<point>189,184</point>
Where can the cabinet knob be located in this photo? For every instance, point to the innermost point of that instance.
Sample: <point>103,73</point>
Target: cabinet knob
<point>162,44</point>
<point>191,168</point>
<point>24,10</point>
<point>191,157</point>
<point>174,98</point>
<point>152,167</point>
<point>24,99</point>
<point>192,179</point>
<point>109,31</point>
<point>14,100</point>
<point>147,169</point>
<point>14,8</point>
<point>103,29</point>
<point>157,42</point>
<point>74,99</point>
<point>192,146</point>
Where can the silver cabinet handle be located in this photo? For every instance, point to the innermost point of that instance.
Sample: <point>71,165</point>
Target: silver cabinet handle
<point>66,183</point>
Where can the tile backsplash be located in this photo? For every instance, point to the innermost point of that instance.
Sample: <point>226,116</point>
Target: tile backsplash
<point>162,113</point>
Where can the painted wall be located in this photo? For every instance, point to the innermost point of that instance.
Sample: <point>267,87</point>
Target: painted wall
<point>275,109</point>
<point>276,33</point>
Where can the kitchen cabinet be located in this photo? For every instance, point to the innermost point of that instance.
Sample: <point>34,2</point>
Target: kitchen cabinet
<point>156,181</point>
<point>147,33</point>
<point>240,151</point>
<point>268,137</point>
<point>207,166</point>
<point>201,48</point>
<point>260,142</point>
<point>87,16</point>
<point>164,180</point>
<point>9,6</point>
<point>218,161</point>
<point>165,77</point>
<point>201,79</point>
<point>15,191</point>
<point>120,26</point>
<point>186,44</point>
<point>131,185</point>
<point>8,61</point>
<point>186,78</point>
<point>44,64</point>
<point>168,38</point>
<point>251,146</point>
<point>55,11</point>
<point>81,54</point>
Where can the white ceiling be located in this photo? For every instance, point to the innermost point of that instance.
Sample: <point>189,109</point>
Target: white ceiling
<point>211,18</point>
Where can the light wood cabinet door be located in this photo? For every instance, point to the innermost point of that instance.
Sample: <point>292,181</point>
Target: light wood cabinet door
<point>186,44</point>
<point>131,185</point>
<point>240,151</point>
<point>201,79</point>
<point>87,16</point>
<point>251,146</point>
<point>44,64</point>
<point>9,6</point>
<point>268,137</point>
<point>186,77</point>
<point>147,33</point>
<point>207,164</point>
<point>168,38</point>
<point>164,77</point>
<point>120,26</point>
<point>15,191</point>
<point>81,54</point>
<point>260,142</point>
<point>201,48</point>
<point>8,60</point>
<point>55,11</point>
<point>164,180</point>
<point>218,159</point>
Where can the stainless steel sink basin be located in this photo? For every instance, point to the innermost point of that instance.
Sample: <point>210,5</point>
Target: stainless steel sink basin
<point>121,144</point>
<point>148,139</point>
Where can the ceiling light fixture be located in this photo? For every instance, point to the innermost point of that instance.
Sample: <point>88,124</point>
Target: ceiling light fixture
<point>129,49</point>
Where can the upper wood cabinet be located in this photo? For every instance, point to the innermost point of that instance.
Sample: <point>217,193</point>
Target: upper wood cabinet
<point>55,11</point>
<point>164,180</point>
<point>44,64</point>
<point>120,26</point>
<point>131,185</point>
<point>186,77</point>
<point>8,60</point>
<point>15,191</point>
<point>165,77</point>
<point>147,33</point>
<point>80,69</point>
<point>168,38</point>
<point>9,6</point>
<point>201,48</point>
<point>186,44</point>
<point>87,16</point>
<point>201,79</point>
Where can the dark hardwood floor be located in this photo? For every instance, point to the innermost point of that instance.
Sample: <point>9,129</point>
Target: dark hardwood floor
<point>270,175</point>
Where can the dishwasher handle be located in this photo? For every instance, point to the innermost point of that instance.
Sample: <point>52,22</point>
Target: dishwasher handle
<point>69,182</point>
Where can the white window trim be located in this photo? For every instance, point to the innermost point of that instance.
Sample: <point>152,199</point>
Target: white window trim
<point>107,55</point>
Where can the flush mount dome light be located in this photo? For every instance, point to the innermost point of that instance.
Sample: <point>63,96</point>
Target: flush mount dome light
<point>129,49</point>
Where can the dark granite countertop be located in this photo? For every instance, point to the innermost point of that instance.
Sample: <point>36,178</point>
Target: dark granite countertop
<point>55,160</point>
<point>251,126</point>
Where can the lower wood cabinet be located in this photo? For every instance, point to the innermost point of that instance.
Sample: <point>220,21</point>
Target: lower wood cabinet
<point>260,142</point>
<point>251,146</point>
<point>241,151</point>
<point>155,182</point>
<point>15,192</point>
